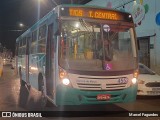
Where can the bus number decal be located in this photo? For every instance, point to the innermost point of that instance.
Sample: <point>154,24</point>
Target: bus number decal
<point>122,80</point>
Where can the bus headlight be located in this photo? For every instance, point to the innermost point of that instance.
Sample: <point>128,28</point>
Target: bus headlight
<point>65,81</point>
<point>63,76</point>
<point>134,80</point>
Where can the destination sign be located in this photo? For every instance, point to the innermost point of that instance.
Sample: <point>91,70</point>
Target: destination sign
<point>95,13</point>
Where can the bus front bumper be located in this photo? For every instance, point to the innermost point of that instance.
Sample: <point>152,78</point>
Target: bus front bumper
<point>71,96</point>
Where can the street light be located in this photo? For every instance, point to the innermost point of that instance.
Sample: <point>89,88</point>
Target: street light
<point>21,28</point>
<point>21,25</point>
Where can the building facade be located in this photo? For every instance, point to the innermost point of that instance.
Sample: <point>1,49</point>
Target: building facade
<point>146,15</point>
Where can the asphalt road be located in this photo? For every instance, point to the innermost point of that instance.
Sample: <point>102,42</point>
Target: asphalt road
<point>16,98</point>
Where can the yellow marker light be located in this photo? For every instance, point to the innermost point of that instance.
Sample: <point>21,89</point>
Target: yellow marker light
<point>62,74</point>
<point>65,81</point>
<point>135,74</point>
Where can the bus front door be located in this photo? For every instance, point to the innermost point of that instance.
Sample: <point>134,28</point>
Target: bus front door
<point>49,63</point>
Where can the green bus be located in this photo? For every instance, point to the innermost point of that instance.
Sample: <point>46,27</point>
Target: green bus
<point>79,54</point>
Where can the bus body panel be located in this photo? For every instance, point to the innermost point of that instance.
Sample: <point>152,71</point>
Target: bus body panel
<point>72,96</point>
<point>85,88</point>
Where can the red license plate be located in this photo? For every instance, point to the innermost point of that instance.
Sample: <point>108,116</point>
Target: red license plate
<point>103,97</point>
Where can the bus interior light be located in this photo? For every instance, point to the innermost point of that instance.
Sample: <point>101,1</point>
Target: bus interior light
<point>62,74</point>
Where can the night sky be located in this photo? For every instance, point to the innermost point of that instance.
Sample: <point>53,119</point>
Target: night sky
<point>14,12</point>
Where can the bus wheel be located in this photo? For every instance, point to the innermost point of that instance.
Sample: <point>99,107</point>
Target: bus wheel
<point>22,82</point>
<point>43,99</point>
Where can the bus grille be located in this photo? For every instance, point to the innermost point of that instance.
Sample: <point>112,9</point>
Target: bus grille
<point>110,84</point>
<point>153,84</point>
<point>153,92</point>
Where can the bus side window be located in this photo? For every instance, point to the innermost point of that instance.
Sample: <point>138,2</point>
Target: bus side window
<point>20,48</point>
<point>34,44</point>
<point>42,39</point>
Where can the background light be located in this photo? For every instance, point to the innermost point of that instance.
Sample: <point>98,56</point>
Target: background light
<point>21,24</point>
<point>77,25</point>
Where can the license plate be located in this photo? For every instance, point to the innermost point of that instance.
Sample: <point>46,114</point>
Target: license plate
<point>103,97</point>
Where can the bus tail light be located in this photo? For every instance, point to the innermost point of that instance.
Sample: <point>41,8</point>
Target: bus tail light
<point>64,77</point>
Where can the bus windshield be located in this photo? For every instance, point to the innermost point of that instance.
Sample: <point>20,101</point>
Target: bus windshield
<point>97,45</point>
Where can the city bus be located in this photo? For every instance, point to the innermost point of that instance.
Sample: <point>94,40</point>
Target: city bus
<point>78,55</point>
